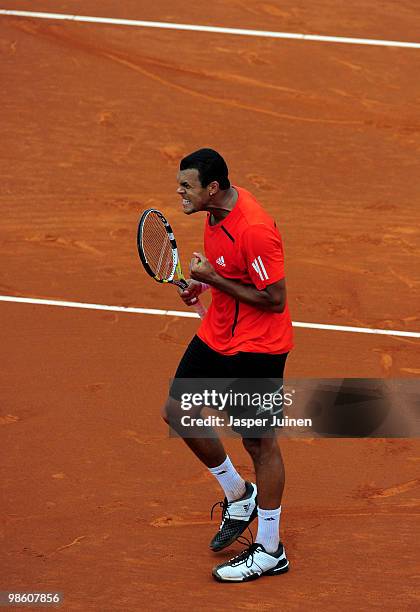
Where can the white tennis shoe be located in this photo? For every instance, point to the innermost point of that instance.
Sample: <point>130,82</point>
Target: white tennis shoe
<point>251,564</point>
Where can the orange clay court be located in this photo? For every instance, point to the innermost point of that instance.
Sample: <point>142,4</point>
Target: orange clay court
<point>98,502</point>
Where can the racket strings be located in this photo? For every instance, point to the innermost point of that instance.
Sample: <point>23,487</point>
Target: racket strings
<point>157,247</point>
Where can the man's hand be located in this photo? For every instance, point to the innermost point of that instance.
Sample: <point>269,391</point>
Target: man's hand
<point>202,270</point>
<point>190,295</point>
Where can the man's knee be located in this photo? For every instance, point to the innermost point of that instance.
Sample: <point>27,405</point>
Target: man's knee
<point>170,411</point>
<point>260,448</point>
<point>164,413</point>
<point>253,447</point>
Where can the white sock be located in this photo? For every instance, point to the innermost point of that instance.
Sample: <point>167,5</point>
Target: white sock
<point>231,482</point>
<point>268,529</point>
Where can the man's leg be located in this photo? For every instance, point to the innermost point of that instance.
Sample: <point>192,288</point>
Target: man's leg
<point>269,470</point>
<point>207,447</point>
<point>239,507</point>
<point>267,555</point>
<point>199,366</point>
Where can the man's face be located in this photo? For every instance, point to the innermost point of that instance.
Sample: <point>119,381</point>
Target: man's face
<point>194,196</point>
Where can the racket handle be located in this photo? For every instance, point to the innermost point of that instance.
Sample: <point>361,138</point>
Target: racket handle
<point>200,309</point>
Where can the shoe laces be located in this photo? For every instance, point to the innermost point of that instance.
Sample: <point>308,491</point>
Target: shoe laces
<point>247,555</point>
<point>244,540</point>
<point>224,505</point>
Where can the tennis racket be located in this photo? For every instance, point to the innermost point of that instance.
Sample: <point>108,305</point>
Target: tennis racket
<point>159,254</point>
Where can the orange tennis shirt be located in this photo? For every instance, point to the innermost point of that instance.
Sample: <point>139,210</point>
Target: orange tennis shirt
<point>246,247</point>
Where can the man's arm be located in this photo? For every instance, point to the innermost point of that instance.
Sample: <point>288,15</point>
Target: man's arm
<point>272,298</point>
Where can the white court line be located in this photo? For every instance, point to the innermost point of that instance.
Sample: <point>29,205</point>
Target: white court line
<point>216,30</point>
<point>194,315</point>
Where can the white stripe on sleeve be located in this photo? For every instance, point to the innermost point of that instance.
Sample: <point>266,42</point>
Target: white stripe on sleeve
<point>257,269</point>
<point>263,268</point>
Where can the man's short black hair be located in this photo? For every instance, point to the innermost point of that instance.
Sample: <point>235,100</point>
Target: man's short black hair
<point>210,165</point>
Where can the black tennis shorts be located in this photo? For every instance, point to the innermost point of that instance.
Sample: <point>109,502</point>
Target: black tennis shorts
<point>248,373</point>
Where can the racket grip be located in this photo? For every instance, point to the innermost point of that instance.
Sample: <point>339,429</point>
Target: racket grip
<point>200,309</point>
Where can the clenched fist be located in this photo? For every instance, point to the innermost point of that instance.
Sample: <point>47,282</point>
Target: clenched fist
<point>201,269</point>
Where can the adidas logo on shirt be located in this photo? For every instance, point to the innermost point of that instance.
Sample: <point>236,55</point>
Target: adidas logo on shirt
<point>259,268</point>
<point>221,261</point>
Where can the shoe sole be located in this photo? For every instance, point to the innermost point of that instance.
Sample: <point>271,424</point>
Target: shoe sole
<point>232,540</point>
<point>272,572</point>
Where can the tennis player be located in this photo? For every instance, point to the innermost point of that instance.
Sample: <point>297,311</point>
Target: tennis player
<point>246,334</point>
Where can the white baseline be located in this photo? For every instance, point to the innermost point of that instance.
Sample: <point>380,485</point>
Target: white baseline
<point>212,29</point>
<point>194,315</point>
